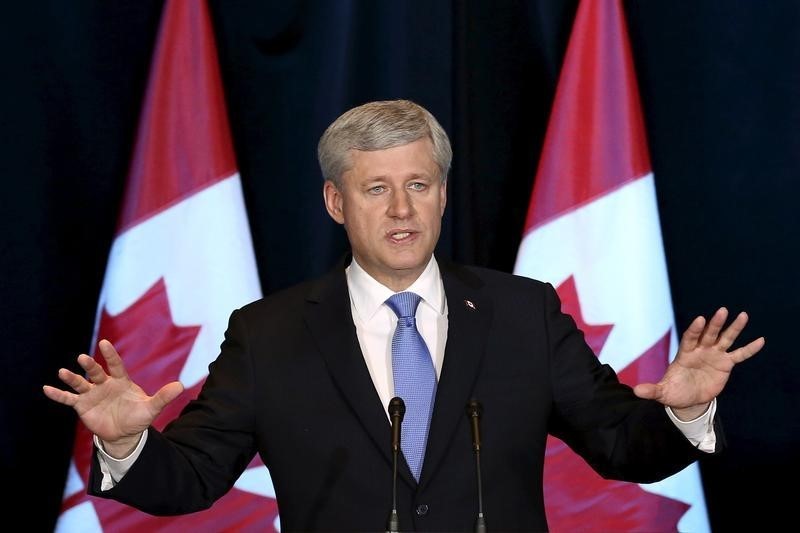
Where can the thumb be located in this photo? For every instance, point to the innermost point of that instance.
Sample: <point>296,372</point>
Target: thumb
<point>166,394</point>
<point>648,391</point>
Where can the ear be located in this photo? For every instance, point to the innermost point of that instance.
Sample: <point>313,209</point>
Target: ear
<point>442,198</point>
<point>333,201</point>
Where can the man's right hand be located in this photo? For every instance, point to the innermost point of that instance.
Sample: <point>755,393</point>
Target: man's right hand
<point>111,406</point>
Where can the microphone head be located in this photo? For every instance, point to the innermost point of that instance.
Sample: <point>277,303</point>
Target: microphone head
<point>397,407</point>
<point>474,408</point>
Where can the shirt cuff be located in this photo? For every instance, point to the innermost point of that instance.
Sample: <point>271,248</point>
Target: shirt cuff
<point>700,431</point>
<point>114,469</point>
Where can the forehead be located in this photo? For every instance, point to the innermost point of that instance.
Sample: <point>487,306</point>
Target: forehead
<point>414,158</point>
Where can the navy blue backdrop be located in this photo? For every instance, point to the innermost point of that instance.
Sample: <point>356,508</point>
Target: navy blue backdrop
<point>719,83</point>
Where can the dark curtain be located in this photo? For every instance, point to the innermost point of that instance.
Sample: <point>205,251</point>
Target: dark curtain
<point>719,84</point>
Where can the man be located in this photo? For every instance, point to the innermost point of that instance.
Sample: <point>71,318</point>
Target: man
<point>304,376</point>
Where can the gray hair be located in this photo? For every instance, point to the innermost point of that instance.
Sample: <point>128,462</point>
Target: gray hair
<point>377,126</point>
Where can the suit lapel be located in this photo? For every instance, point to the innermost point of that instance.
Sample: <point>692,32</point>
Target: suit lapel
<point>329,318</point>
<point>469,317</point>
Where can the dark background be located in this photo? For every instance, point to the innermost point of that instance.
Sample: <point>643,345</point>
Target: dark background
<point>720,85</point>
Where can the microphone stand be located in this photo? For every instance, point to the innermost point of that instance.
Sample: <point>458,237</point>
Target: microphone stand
<point>474,410</point>
<point>397,409</point>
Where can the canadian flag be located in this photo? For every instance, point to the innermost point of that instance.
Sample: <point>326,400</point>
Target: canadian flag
<point>593,231</point>
<point>181,261</point>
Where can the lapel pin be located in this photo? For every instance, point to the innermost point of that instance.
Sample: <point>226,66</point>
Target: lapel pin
<point>470,305</point>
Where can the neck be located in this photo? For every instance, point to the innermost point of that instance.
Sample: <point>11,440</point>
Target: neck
<point>397,283</point>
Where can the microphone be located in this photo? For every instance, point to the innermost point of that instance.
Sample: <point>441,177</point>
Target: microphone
<point>397,409</point>
<point>474,411</point>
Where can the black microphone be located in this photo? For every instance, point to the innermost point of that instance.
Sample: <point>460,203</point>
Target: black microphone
<point>397,409</point>
<point>474,411</point>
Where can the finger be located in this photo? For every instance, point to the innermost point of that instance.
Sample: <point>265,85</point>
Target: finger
<point>113,360</point>
<point>76,382</point>
<point>166,394</point>
<point>60,396</point>
<point>714,326</point>
<point>648,391</point>
<point>692,334</point>
<point>94,371</point>
<point>730,334</point>
<point>748,351</point>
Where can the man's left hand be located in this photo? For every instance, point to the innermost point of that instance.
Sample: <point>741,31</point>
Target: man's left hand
<point>702,367</point>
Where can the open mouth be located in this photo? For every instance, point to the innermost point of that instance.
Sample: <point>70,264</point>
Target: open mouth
<point>401,236</point>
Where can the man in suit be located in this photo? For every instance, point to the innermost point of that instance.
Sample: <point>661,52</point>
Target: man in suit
<point>304,375</point>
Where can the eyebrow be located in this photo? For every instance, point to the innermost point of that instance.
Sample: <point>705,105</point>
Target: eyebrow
<point>412,176</point>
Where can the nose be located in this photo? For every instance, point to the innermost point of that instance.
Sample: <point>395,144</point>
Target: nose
<point>400,205</point>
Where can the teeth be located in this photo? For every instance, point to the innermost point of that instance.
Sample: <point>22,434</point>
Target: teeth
<point>401,235</point>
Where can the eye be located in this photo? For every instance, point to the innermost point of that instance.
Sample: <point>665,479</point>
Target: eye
<point>377,189</point>
<point>417,186</point>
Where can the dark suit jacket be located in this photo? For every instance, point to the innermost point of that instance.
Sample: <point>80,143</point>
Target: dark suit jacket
<point>291,384</point>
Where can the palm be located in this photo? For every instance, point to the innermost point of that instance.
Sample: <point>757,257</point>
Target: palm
<point>116,408</point>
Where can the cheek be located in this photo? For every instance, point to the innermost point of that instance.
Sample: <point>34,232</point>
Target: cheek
<point>361,223</point>
<point>433,213</point>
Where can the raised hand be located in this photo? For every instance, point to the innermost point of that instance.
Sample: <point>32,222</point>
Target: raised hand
<point>111,406</point>
<point>703,365</point>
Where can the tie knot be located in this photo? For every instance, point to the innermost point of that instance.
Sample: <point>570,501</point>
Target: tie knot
<point>404,304</point>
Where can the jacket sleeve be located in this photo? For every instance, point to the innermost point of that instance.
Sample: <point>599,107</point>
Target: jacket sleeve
<point>620,435</point>
<point>200,455</point>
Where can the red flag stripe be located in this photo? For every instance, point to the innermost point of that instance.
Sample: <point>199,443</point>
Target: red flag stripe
<point>595,138</point>
<point>184,94</point>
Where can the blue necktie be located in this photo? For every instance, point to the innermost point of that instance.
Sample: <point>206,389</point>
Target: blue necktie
<point>414,378</point>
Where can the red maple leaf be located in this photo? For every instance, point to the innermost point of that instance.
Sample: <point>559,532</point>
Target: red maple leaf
<point>155,350</point>
<point>595,334</point>
<point>576,497</point>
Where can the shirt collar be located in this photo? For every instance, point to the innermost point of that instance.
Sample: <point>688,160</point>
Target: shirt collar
<point>368,294</point>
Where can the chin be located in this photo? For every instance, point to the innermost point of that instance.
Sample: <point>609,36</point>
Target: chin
<point>408,260</point>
